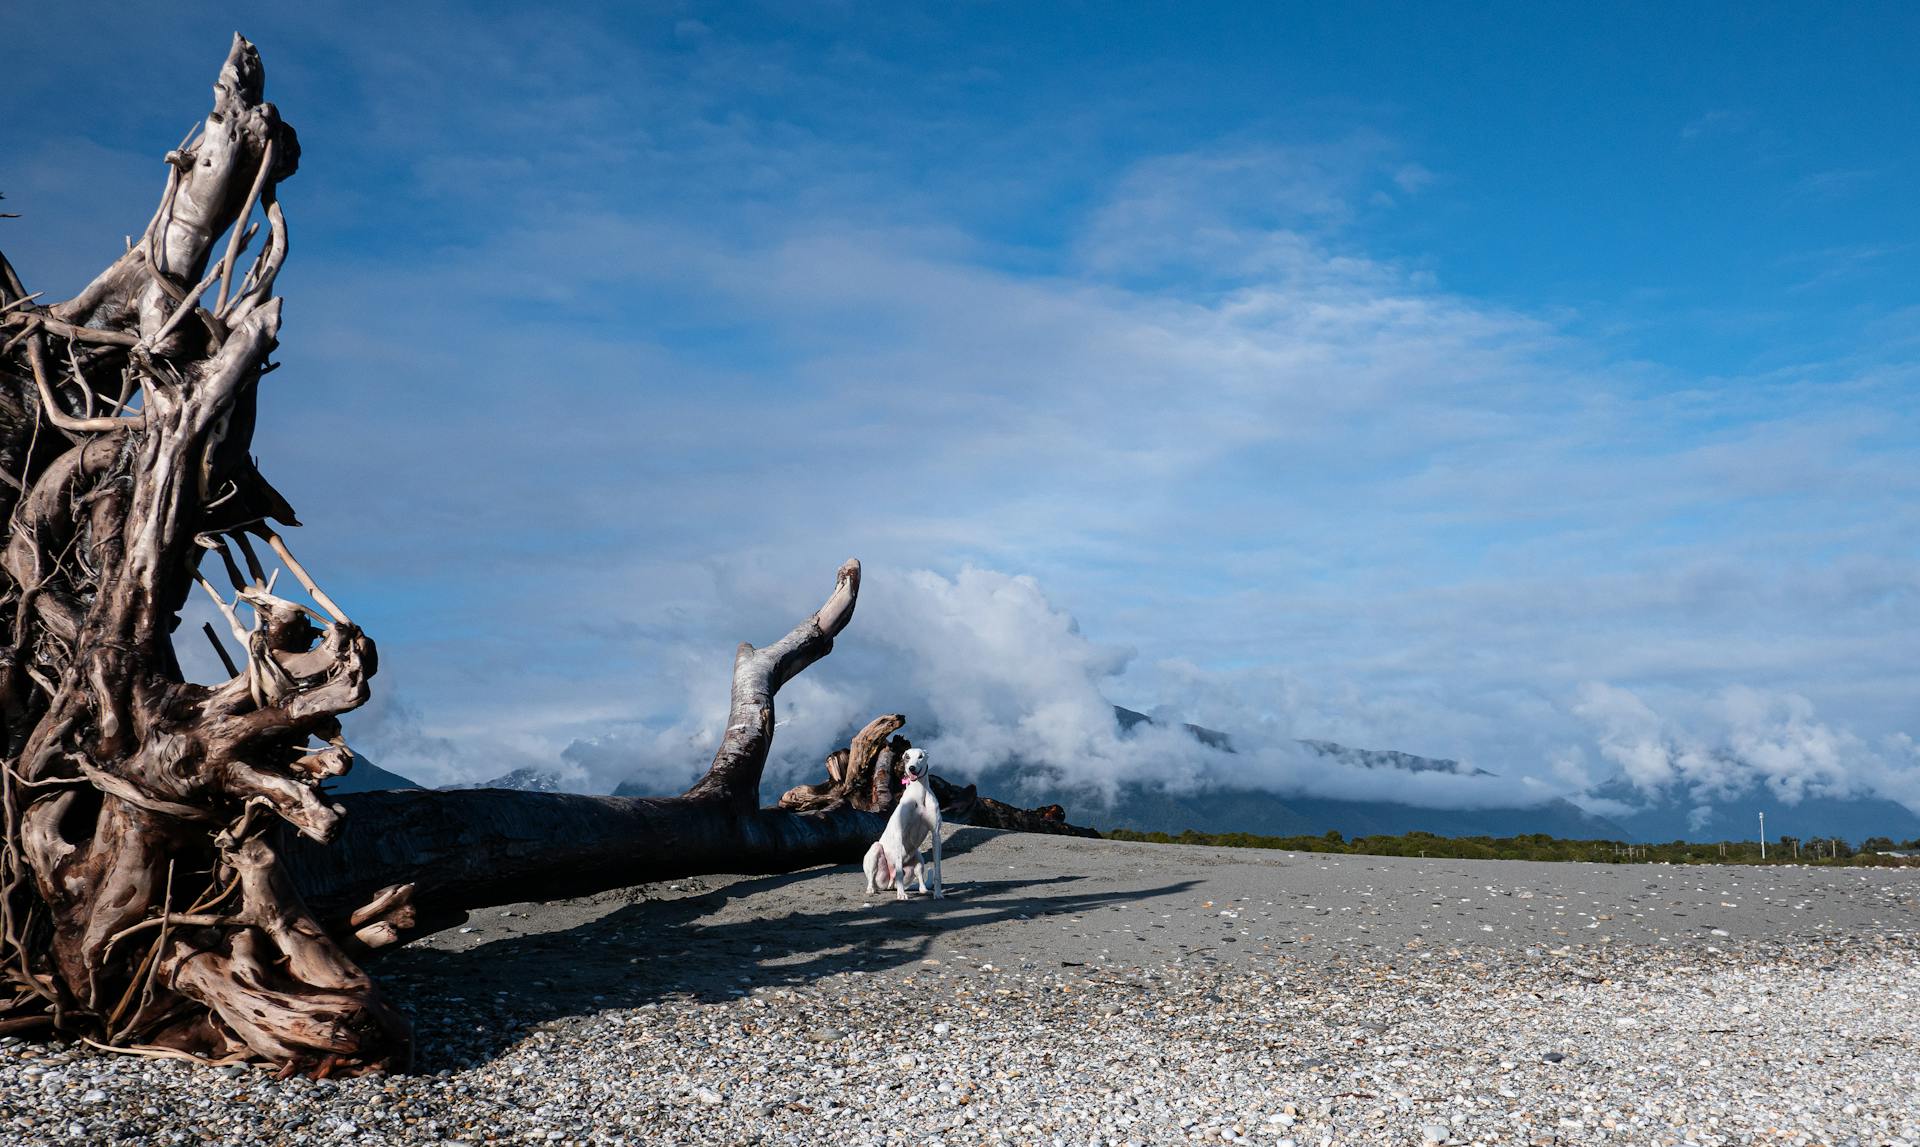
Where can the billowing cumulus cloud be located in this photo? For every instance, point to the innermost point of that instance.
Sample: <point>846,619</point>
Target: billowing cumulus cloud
<point>1731,743</point>
<point>987,669</point>
<point>992,672</point>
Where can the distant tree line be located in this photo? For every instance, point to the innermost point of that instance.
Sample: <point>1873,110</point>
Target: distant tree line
<point>1541,846</point>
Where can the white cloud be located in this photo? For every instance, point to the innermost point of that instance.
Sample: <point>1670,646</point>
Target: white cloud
<point>629,358</point>
<point>1332,504</point>
<point>1739,740</point>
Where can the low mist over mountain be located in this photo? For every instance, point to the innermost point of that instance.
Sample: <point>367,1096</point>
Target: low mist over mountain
<point>994,674</point>
<point>1613,810</point>
<point>1242,808</point>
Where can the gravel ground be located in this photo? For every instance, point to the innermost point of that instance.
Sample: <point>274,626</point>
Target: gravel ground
<point>1078,992</point>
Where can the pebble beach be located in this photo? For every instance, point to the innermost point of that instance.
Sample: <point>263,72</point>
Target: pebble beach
<point>1100,992</point>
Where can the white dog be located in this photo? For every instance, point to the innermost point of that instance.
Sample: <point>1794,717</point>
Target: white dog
<point>895,857</point>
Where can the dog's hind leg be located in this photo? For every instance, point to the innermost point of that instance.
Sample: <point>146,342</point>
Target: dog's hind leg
<point>900,866</point>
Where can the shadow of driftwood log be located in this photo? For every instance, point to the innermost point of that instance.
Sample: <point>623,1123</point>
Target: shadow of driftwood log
<point>473,1004</point>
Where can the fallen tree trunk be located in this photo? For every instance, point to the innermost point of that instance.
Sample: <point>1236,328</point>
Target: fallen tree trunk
<point>967,806</point>
<point>478,847</point>
<point>467,849</point>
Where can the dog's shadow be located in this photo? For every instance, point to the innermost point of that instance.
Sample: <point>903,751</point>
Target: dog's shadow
<point>469,1005</point>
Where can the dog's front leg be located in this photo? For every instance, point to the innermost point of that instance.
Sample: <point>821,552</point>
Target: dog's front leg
<point>939,889</point>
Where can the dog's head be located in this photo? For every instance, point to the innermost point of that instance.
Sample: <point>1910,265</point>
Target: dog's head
<point>913,765</point>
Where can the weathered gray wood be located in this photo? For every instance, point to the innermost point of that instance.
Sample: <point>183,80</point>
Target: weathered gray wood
<point>734,778</point>
<point>141,904</point>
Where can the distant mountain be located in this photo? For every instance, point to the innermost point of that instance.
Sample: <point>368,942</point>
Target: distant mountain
<point>526,779</point>
<point>1263,813</point>
<point>1364,758</point>
<point>367,777</point>
<point>1392,759</point>
<point>1130,720</point>
<point>1649,819</point>
<point>1269,814</point>
<point>1665,818</point>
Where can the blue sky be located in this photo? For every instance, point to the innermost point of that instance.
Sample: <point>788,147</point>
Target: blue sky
<point>1521,383</point>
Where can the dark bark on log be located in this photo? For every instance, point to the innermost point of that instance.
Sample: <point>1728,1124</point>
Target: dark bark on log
<point>862,782</point>
<point>473,848</point>
<point>883,792</point>
<point>967,806</point>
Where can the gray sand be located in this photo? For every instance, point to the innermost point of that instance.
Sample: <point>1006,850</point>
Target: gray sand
<point>1099,992</point>
<point>1014,898</point>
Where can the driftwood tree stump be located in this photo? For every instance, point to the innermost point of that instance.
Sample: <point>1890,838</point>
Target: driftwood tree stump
<point>164,839</point>
<point>863,775</point>
<point>141,903</point>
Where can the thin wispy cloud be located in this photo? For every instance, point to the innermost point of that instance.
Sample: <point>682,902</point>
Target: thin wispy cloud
<point>1834,264</point>
<point>1836,184</point>
<point>1713,121</point>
